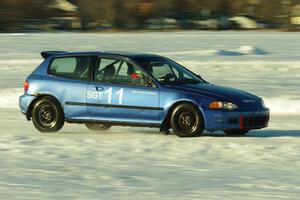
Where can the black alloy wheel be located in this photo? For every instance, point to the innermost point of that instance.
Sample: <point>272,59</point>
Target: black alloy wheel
<point>187,121</point>
<point>47,115</point>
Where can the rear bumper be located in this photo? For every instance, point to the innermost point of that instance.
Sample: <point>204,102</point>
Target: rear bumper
<point>226,120</point>
<point>25,101</point>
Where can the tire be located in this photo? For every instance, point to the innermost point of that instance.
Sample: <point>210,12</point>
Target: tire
<point>47,115</point>
<point>187,121</point>
<point>236,132</point>
<point>97,126</point>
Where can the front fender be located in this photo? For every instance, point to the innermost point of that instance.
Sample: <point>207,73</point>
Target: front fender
<point>170,99</point>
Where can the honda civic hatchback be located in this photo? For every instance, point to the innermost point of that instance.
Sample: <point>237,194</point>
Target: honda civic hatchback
<point>103,89</point>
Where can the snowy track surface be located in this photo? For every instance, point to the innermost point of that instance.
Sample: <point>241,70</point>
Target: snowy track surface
<point>141,163</point>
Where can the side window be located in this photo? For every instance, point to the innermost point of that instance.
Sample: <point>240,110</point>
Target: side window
<point>161,71</point>
<point>106,69</point>
<point>124,69</point>
<point>119,72</point>
<point>71,67</point>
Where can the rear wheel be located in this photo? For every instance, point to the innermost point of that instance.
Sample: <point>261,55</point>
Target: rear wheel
<point>236,132</point>
<point>187,121</point>
<point>47,115</point>
<point>97,126</point>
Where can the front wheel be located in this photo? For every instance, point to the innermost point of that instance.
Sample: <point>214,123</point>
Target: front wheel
<point>236,132</point>
<point>187,121</point>
<point>47,115</point>
<point>97,126</point>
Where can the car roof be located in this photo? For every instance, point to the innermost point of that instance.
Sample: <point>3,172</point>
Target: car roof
<point>131,55</point>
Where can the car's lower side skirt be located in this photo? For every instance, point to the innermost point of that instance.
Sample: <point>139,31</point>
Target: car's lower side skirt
<point>115,123</point>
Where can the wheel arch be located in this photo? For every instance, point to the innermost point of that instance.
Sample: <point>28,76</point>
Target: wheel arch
<point>166,121</point>
<point>39,96</point>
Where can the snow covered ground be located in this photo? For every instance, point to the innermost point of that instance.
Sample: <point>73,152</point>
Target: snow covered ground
<point>135,163</point>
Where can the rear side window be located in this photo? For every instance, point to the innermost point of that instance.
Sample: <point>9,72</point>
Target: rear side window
<point>71,67</point>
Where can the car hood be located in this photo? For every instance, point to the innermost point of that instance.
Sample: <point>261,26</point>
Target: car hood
<point>220,93</point>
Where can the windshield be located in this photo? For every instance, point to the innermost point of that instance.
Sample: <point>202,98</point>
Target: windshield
<point>166,71</point>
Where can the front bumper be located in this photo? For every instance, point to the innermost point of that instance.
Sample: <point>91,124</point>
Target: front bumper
<point>226,120</point>
<point>25,101</point>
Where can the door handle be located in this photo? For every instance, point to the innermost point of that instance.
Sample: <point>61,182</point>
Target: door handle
<point>98,88</point>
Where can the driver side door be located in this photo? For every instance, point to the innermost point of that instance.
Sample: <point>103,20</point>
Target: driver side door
<point>120,92</point>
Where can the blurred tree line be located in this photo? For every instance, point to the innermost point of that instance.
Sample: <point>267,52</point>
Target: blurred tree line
<point>123,13</point>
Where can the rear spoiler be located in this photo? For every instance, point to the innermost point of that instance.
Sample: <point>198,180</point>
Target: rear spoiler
<point>46,54</point>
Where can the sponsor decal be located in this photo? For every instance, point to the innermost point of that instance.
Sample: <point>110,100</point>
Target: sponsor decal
<point>146,92</point>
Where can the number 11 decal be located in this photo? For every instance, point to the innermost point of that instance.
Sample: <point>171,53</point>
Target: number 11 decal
<point>109,91</point>
<point>120,94</point>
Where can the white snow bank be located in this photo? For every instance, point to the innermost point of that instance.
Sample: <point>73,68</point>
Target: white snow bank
<point>251,50</point>
<point>255,64</point>
<point>240,51</point>
<point>283,105</point>
<point>189,53</point>
<point>13,34</point>
<point>23,65</point>
<point>10,97</point>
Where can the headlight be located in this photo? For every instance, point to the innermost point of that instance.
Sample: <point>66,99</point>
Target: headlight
<point>222,105</point>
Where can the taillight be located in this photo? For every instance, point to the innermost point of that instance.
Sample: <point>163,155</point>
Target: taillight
<point>26,86</point>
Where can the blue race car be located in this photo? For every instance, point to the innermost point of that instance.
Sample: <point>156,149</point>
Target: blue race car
<point>102,89</point>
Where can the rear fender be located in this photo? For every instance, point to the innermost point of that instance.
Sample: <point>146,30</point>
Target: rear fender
<point>38,97</point>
